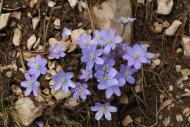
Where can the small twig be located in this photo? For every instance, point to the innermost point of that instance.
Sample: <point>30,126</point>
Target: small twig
<point>11,9</point>
<point>90,15</point>
<point>178,33</point>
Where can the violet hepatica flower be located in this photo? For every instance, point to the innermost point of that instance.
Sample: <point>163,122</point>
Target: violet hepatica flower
<point>66,32</point>
<point>63,81</point>
<point>86,74</point>
<point>137,55</point>
<point>31,84</point>
<point>122,48</point>
<point>92,55</point>
<point>109,83</point>
<point>110,39</point>
<point>103,109</point>
<point>126,74</point>
<point>98,38</point>
<point>57,51</point>
<point>85,41</point>
<point>104,68</point>
<point>80,91</point>
<point>37,66</point>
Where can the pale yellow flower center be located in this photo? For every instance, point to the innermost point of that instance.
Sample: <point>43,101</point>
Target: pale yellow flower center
<point>63,80</point>
<point>135,56</point>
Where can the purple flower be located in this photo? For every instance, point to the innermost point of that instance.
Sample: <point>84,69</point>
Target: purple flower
<point>104,68</point>
<point>86,74</point>
<point>40,123</point>
<point>126,74</point>
<point>66,32</point>
<point>98,38</point>
<point>38,66</point>
<point>57,51</point>
<point>31,84</point>
<point>85,41</point>
<point>80,91</point>
<point>110,39</point>
<point>122,48</point>
<point>124,20</point>
<point>137,55</point>
<point>103,109</point>
<point>91,56</point>
<point>63,81</point>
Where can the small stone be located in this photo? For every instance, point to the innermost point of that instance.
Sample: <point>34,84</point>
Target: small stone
<point>57,23</point>
<point>31,41</point>
<point>59,68</point>
<point>173,28</point>
<point>186,111</point>
<point>9,74</point>
<point>27,111</point>
<point>51,4</point>
<point>140,1</point>
<point>185,72</point>
<point>51,65</point>
<point>156,62</point>
<point>76,34</point>
<point>73,3</point>
<point>16,90</point>
<point>179,50</point>
<point>59,94</point>
<point>29,14</point>
<point>171,88</point>
<point>17,37</point>
<point>33,3</point>
<point>178,68</point>
<point>35,22</point>
<point>166,121</point>
<point>16,15</point>
<point>158,27</point>
<point>164,6</point>
<point>179,118</point>
<point>127,120</point>
<point>71,102</point>
<point>51,72</point>
<point>52,41</point>
<point>4,18</point>
<point>186,45</point>
<point>138,88</point>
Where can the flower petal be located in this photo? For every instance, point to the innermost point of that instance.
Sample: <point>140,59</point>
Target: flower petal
<point>108,115</point>
<point>99,115</point>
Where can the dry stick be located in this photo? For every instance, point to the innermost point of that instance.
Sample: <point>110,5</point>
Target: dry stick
<point>180,30</point>
<point>91,17</point>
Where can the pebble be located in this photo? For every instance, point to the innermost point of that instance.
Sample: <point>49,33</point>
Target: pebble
<point>35,22</point>
<point>4,18</point>
<point>127,120</point>
<point>164,7</point>
<point>173,28</point>
<point>179,118</point>
<point>179,50</point>
<point>16,15</point>
<point>57,23</point>
<point>73,3</point>
<point>185,72</point>
<point>156,62</point>
<point>76,34</point>
<point>186,111</point>
<point>33,3</point>
<point>17,37</point>
<point>51,4</point>
<point>186,45</point>
<point>31,41</point>
<point>178,68</point>
<point>171,88</point>
<point>59,94</point>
